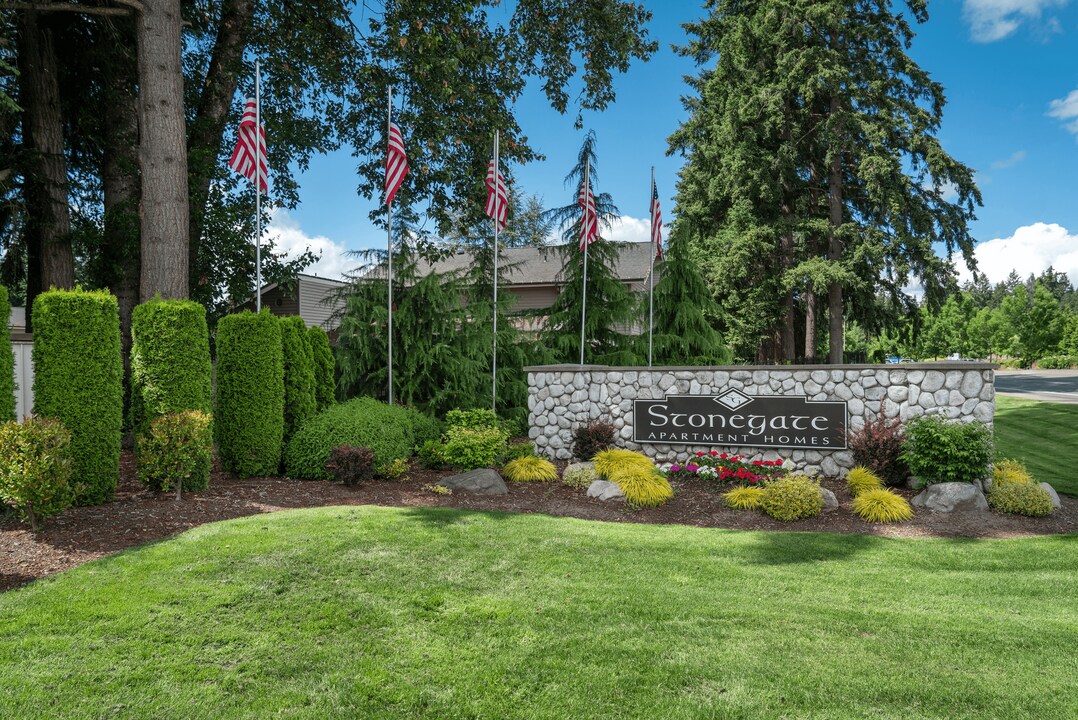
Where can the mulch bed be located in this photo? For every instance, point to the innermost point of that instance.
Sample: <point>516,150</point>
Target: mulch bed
<point>138,515</point>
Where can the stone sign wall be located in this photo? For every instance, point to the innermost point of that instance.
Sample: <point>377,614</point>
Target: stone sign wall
<point>697,401</point>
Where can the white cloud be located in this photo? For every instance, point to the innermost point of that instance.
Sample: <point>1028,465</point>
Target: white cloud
<point>1066,109</point>
<point>991,20</point>
<point>1013,160</point>
<point>632,230</point>
<point>289,238</point>
<point>1031,249</point>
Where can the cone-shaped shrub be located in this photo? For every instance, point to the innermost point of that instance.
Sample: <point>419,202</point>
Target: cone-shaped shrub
<point>325,380</point>
<point>249,413</point>
<point>78,376</point>
<point>299,402</point>
<point>170,360</point>
<point>882,505</point>
<point>7,361</point>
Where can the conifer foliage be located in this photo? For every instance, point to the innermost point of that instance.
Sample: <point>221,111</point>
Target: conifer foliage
<point>299,374</point>
<point>7,362</point>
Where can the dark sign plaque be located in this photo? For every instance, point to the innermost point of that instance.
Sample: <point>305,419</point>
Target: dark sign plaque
<point>736,419</point>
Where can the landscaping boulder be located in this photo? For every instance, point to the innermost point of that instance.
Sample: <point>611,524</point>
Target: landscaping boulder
<point>951,497</point>
<point>830,502</point>
<point>605,490</point>
<point>1052,494</point>
<point>481,482</point>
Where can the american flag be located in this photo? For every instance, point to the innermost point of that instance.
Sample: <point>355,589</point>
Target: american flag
<point>656,221</point>
<point>497,197</point>
<point>396,162</point>
<point>243,157</point>
<point>589,223</point>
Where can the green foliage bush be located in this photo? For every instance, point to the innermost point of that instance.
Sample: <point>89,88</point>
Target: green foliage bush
<point>1021,499</point>
<point>431,455</point>
<point>792,498</point>
<point>299,378</point>
<point>425,427</point>
<point>882,505</point>
<point>468,448</point>
<point>7,361</point>
<point>78,376</point>
<point>351,465</point>
<point>940,451</point>
<point>1056,362</point>
<point>388,430</point>
<point>517,450</point>
<point>325,379</point>
<point>476,419</point>
<point>176,451</point>
<point>35,468</point>
<point>530,469</point>
<point>249,413</point>
<point>580,475</point>
<point>170,360</point>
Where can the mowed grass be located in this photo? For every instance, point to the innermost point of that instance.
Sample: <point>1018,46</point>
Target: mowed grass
<point>367,612</point>
<point>1042,435</point>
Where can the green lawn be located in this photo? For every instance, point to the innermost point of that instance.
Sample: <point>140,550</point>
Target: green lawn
<point>1042,435</point>
<point>405,613</point>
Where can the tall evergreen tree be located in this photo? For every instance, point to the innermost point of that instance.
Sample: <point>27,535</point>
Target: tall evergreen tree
<point>611,309</point>
<point>683,333</point>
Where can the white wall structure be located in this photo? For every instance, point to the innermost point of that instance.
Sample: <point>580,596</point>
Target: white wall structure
<point>762,412</point>
<point>24,378</point>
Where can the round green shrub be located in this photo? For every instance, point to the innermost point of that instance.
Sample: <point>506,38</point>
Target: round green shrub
<point>325,380</point>
<point>792,498</point>
<point>1056,362</point>
<point>78,376</point>
<point>469,448</point>
<point>7,361</point>
<point>426,428</point>
<point>937,450</point>
<point>388,430</point>
<point>249,413</point>
<point>580,475</point>
<point>176,451</point>
<point>299,385</point>
<point>35,468</point>
<point>170,360</point>
<point>1021,499</point>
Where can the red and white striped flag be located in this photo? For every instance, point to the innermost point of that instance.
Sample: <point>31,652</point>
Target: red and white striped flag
<point>396,162</point>
<point>656,221</point>
<point>589,223</point>
<point>243,157</point>
<point>497,197</point>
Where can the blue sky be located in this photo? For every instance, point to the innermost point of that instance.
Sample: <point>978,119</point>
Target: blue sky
<point>1009,68</point>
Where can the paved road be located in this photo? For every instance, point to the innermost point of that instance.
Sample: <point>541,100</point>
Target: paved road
<point>1045,385</point>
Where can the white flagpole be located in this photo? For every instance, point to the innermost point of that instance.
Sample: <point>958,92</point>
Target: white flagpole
<point>389,232</point>
<point>494,366</point>
<point>651,268</point>
<point>584,296</point>
<point>258,188</point>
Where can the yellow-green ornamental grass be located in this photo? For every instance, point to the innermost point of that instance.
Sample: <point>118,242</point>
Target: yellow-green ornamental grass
<point>636,475</point>
<point>1010,472</point>
<point>861,479</point>
<point>882,505</point>
<point>744,498</point>
<point>1015,491</point>
<point>530,469</point>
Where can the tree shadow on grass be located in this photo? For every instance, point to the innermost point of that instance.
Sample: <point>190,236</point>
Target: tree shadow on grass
<point>448,516</point>
<point>793,548</point>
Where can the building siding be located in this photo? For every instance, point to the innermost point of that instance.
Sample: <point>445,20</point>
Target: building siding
<point>317,303</point>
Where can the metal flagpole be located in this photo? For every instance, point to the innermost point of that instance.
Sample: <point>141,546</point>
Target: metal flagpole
<point>584,296</point>
<point>389,232</point>
<point>651,268</point>
<point>494,366</point>
<point>258,189</point>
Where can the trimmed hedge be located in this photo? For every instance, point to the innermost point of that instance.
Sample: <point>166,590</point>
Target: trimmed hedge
<point>7,361</point>
<point>249,414</point>
<point>388,430</point>
<point>170,360</point>
<point>78,379</point>
<point>325,381</point>
<point>299,396</point>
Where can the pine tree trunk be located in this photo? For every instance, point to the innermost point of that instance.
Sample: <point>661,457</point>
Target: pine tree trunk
<point>120,187</point>
<point>834,254</point>
<point>812,248</point>
<point>810,325</point>
<point>162,152</point>
<point>48,231</point>
<point>222,79</point>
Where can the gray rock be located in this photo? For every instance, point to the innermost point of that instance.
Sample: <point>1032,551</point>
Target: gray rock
<point>1052,494</point>
<point>830,502</point>
<point>933,381</point>
<point>951,497</point>
<point>605,490</point>
<point>898,393</point>
<point>953,379</point>
<point>481,482</point>
<point>971,384</point>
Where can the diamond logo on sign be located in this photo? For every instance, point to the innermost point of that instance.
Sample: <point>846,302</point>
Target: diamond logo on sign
<point>733,399</point>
